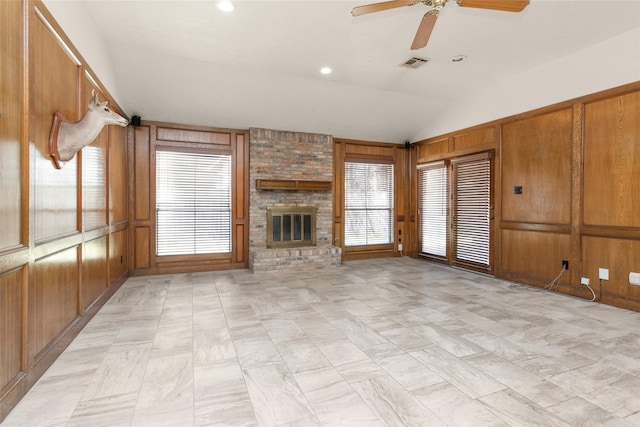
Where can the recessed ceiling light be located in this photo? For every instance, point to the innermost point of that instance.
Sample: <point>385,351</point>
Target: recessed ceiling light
<point>325,70</point>
<point>458,58</point>
<point>225,6</point>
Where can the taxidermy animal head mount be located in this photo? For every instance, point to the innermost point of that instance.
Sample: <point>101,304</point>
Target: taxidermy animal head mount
<point>66,139</point>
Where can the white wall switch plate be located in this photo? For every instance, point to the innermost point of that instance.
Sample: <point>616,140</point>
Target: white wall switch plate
<point>634,278</point>
<point>603,274</point>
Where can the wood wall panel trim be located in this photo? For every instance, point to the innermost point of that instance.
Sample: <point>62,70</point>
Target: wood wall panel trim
<point>193,262</point>
<point>575,258</point>
<point>190,147</point>
<point>431,149</point>
<point>535,256</point>
<point>11,147</point>
<point>56,286</point>
<point>458,153</point>
<point>118,175</point>
<point>14,258</point>
<point>470,140</point>
<point>497,201</point>
<point>242,201</point>
<point>94,270</point>
<point>540,163</point>
<point>186,135</point>
<point>181,126</point>
<point>93,166</point>
<point>613,232</point>
<point>240,251</point>
<point>142,151</point>
<point>41,9</point>
<point>168,259</point>
<point>358,142</point>
<point>95,233</point>
<point>142,249</point>
<point>53,80</point>
<point>12,330</point>
<point>400,195</point>
<point>241,168</point>
<point>411,238</point>
<point>187,268</point>
<point>51,246</point>
<point>118,260</point>
<point>293,185</point>
<point>118,226</point>
<point>543,228</point>
<point>338,193</point>
<point>356,256</point>
<point>362,149</point>
<point>620,257</point>
<point>611,158</point>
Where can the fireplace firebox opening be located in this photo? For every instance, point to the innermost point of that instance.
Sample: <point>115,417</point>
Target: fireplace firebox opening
<point>291,226</point>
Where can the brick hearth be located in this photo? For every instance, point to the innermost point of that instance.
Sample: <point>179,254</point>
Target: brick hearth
<point>299,259</point>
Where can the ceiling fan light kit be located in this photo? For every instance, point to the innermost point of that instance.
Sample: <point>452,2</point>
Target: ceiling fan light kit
<point>429,19</point>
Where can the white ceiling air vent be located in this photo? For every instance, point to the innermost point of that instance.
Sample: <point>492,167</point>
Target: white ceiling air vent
<point>414,62</point>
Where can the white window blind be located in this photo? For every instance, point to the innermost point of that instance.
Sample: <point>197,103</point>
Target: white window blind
<point>368,201</point>
<point>193,203</point>
<point>433,199</point>
<point>472,215</point>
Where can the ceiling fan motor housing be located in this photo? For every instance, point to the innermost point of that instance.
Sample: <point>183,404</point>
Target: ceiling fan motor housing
<point>438,4</point>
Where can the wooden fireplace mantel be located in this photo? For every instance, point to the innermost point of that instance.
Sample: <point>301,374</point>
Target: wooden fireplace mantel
<point>289,184</point>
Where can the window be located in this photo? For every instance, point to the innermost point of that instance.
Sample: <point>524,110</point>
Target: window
<point>193,203</point>
<point>434,209</point>
<point>368,209</point>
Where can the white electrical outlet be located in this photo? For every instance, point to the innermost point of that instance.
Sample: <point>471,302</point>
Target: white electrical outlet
<point>400,247</point>
<point>634,278</point>
<point>603,274</point>
<point>585,281</point>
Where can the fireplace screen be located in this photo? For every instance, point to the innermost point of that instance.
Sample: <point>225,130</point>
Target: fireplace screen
<point>291,226</point>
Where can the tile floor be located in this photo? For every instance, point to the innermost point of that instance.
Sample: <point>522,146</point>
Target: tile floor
<point>385,342</point>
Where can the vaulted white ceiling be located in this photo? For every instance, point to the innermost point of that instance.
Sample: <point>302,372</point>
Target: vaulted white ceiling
<point>258,66</point>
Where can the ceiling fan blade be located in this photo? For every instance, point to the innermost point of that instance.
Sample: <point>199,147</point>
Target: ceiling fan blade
<point>377,7</point>
<point>424,30</point>
<point>506,5</point>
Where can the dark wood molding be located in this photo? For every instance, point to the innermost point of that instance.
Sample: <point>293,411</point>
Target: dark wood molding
<point>293,185</point>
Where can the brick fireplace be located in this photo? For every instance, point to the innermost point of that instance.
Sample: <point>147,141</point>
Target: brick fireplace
<point>290,157</point>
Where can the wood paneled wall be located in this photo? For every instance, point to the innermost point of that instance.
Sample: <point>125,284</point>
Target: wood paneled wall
<point>63,231</point>
<point>345,150</point>
<point>144,140</point>
<point>578,165</point>
<point>610,231</point>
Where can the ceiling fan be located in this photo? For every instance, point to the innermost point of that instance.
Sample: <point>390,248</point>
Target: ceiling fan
<point>429,19</point>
